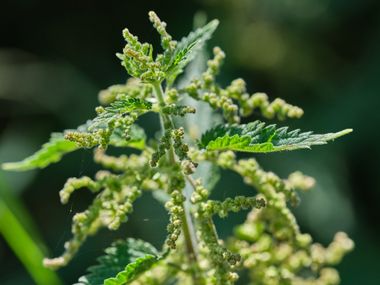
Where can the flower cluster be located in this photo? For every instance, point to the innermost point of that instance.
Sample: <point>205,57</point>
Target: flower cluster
<point>235,97</point>
<point>175,208</point>
<point>110,208</point>
<point>270,242</point>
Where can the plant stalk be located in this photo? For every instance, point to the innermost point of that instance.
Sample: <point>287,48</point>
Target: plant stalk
<point>187,226</point>
<point>209,220</point>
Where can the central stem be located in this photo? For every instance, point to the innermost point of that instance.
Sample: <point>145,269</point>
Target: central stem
<point>187,226</point>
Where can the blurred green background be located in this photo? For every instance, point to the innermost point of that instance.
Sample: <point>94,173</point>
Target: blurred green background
<point>322,55</point>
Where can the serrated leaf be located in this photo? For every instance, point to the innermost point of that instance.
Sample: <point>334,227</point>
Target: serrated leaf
<point>118,108</point>
<point>123,262</point>
<point>258,138</point>
<point>187,49</point>
<point>132,270</point>
<point>51,152</point>
<point>58,146</point>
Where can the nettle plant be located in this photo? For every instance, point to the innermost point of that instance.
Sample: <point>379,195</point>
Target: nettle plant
<point>180,167</point>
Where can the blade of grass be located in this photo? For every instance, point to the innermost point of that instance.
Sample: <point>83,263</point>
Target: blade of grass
<point>19,239</point>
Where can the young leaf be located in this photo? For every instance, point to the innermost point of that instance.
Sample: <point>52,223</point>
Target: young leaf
<point>51,152</point>
<point>112,125</point>
<point>123,262</point>
<point>187,49</point>
<point>117,109</point>
<point>259,138</point>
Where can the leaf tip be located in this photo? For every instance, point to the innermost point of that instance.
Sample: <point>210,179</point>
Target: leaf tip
<point>343,133</point>
<point>349,130</point>
<point>215,22</point>
<point>6,166</point>
<point>11,166</point>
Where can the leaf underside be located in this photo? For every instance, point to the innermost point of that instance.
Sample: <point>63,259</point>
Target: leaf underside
<point>50,152</point>
<point>124,262</point>
<point>257,137</point>
<point>137,138</point>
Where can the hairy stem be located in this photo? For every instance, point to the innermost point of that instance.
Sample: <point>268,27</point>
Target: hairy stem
<point>187,227</point>
<point>210,222</point>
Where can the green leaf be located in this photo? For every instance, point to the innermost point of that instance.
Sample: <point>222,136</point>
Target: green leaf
<point>258,138</point>
<point>117,109</point>
<point>51,152</point>
<point>132,270</point>
<point>136,138</point>
<point>113,125</point>
<point>187,49</point>
<point>124,262</point>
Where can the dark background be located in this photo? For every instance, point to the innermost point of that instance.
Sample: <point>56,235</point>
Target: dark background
<point>322,55</point>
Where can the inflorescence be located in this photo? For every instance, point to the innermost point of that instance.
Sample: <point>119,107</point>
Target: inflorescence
<point>269,245</point>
